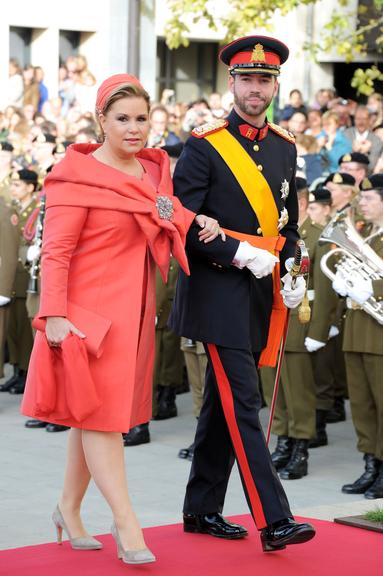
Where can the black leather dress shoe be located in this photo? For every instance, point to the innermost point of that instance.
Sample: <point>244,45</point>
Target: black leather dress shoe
<point>137,435</point>
<point>56,428</point>
<point>32,423</point>
<point>187,453</point>
<point>213,524</point>
<point>280,534</point>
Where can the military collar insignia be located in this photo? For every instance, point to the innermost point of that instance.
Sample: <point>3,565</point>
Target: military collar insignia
<point>285,189</point>
<point>286,134</point>
<point>253,133</point>
<point>258,54</point>
<point>209,127</point>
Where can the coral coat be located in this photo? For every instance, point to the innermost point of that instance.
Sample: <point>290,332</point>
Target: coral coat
<point>102,238</point>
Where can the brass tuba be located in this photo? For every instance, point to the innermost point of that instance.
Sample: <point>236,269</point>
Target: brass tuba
<point>355,256</point>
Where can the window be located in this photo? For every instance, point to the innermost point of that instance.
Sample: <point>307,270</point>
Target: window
<point>191,72</point>
<point>20,44</point>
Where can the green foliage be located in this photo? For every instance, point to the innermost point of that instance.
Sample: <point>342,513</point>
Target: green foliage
<point>363,80</point>
<point>339,35</point>
<point>374,515</point>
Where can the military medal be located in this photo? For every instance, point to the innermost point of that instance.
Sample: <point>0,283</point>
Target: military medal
<point>284,216</point>
<point>285,189</point>
<point>283,219</point>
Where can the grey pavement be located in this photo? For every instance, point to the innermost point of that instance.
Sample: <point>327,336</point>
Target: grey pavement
<point>32,461</point>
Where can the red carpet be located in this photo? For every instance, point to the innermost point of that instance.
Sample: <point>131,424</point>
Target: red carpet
<point>336,550</point>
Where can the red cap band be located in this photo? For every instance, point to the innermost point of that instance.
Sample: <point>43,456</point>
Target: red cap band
<point>246,58</point>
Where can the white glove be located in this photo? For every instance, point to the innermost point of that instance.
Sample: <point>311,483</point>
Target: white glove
<point>33,252</point>
<point>339,284</point>
<point>260,262</point>
<point>361,290</point>
<point>334,331</point>
<point>292,297</point>
<point>313,345</point>
<point>4,300</point>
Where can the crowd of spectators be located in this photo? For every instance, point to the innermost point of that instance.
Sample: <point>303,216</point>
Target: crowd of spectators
<point>325,129</point>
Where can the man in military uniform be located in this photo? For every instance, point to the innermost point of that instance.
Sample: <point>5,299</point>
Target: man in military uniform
<point>363,346</point>
<point>9,245</point>
<point>240,171</point>
<point>356,164</point>
<point>20,338</point>
<point>6,150</point>
<point>342,186</point>
<point>296,411</point>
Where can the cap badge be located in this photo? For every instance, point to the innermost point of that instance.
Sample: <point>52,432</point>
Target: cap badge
<point>285,189</point>
<point>15,176</point>
<point>366,184</point>
<point>258,54</point>
<point>347,158</point>
<point>312,197</point>
<point>337,179</point>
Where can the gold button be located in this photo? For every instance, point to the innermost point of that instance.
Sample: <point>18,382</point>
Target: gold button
<point>260,167</point>
<point>259,231</point>
<point>255,147</point>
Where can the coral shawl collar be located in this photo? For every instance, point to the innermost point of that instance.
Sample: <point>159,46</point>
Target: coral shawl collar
<point>81,180</point>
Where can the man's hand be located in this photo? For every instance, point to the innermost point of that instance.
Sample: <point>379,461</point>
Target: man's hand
<point>361,289</point>
<point>260,262</point>
<point>292,297</point>
<point>313,345</point>
<point>339,284</point>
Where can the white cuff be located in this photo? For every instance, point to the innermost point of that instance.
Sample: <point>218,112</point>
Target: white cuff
<point>244,254</point>
<point>4,300</point>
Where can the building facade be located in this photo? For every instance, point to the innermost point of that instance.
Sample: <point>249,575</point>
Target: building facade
<point>128,35</point>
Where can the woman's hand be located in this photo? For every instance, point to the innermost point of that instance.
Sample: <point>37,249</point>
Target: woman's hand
<point>57,329</point>
<point>210,228</point>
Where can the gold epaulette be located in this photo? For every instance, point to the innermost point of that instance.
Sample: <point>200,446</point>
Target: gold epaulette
<point>209,128</point>
<point>286,134</point>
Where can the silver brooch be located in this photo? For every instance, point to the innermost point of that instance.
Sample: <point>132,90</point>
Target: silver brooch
<point>164,207</point>
<point>285,189</point>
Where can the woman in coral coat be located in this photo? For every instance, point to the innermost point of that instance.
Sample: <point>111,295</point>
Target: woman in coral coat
<point>111,217</point>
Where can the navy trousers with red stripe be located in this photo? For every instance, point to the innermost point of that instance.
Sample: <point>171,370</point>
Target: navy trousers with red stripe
<point>228,429</point>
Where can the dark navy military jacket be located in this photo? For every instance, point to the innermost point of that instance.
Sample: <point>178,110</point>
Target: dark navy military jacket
<point>219,303</point>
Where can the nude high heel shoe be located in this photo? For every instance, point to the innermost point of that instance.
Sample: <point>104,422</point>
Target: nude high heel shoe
<point>82,543</point>
<point>143,556</point>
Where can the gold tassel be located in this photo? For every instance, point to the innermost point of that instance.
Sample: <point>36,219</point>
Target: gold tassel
<point>304,310</point>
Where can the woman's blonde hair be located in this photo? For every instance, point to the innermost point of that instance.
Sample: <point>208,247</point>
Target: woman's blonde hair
<point>125,91</point>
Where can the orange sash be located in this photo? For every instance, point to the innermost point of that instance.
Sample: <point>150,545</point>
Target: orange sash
<point>278,318</point>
